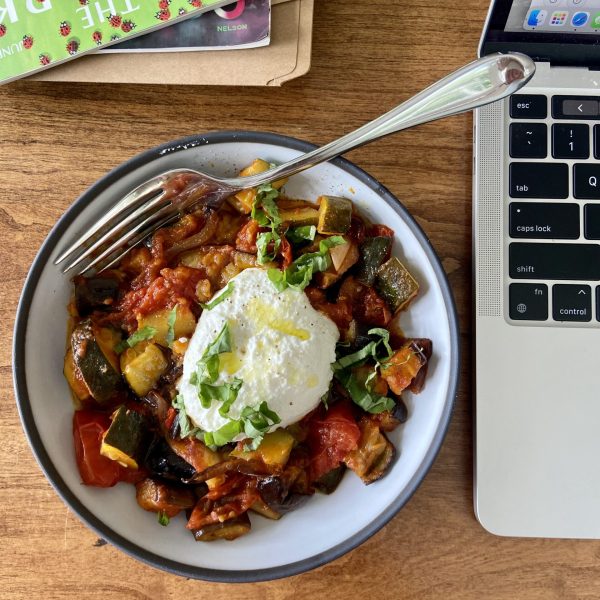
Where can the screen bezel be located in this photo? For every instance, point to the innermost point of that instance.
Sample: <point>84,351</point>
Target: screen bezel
<point>574,49</point>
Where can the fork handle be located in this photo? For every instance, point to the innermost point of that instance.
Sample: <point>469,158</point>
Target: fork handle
<point>481,82</point>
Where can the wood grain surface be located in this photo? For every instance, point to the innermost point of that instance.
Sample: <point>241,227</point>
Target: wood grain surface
<point>368,55</point>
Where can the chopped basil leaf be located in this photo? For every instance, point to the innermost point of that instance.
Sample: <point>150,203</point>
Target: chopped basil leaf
<point>222,343</point>
<point>254,423</point>
<point>163,519</point>
<point>299,274</point>
<point>185,425</point>
<point>145,333</point>
<point>369,401</point>
<point>362,394</point>
<point>171,324</point>
<point>304,233</point>
<point>262,245</point>
<point>223,435</point>
<point>225,293</point>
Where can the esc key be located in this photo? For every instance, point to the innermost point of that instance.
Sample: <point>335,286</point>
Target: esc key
<point>528,106</point>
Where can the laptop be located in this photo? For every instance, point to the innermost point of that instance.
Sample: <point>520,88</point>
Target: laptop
<point>536,246</point>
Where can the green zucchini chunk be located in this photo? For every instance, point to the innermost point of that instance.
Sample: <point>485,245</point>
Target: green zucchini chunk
<point>373,252</point>
<point>335,215</point>
<point>94,356</point>
<point>328,483</point>
<point>126,439</point>
<point>395,284</point>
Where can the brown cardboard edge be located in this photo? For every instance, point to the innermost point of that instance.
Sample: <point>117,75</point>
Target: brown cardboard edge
<point>293,60</point>
<point>303,59</point>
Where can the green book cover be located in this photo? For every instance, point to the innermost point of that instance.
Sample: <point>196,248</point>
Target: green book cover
<point>39,34</point>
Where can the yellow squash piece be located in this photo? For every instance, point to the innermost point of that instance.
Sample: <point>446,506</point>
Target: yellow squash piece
<point>243,200</point>
<point>142,367</point>
<point>185,323</point>
<point>273,450</point>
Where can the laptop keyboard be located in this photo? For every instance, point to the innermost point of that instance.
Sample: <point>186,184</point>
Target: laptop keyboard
<point>554,209</point>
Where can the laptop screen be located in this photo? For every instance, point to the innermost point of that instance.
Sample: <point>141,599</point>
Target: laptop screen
<point>564,32</point>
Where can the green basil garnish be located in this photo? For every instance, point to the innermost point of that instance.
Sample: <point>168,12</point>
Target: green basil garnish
<point>171,326</point>
<point>222,296</point>
<point>145,333</point>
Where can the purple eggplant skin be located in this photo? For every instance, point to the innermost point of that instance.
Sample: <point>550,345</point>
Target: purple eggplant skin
<point>228,530</point>
<point>400,411</point>
<point>95,293</point>
<point>327,484</point>
<point>163,462</point>
<point>275,493</point>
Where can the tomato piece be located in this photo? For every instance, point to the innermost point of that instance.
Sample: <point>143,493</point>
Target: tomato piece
<point>331,436</point>
<point>88,428</point>
<point>381,230</point>
<point>95,469</point>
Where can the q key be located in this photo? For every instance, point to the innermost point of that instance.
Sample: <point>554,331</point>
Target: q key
<point>586,178</point>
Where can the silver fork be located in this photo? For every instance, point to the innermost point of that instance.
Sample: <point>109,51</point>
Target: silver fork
<point>153,204</point>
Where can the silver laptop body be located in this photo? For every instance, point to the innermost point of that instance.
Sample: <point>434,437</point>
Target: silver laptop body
<point>536,248</point>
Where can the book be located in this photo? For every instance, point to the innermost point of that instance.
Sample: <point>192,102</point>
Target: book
<point>243,24</point>
<point>39,34</point>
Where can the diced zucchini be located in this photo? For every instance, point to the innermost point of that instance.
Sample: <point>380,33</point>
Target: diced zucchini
<point>373,252</point>
<point>295,217</point>
<point>185,323</point>
<point>395,284</point>
<point>244,199</point>
<point>96,359</point>
<point>126,438</point>
<point>142,367</point>
<point>274,449</point>
<point>228,530</point>
<point>335,215</point>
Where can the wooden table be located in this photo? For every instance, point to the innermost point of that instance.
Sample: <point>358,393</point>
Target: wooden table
<point>368,55</point>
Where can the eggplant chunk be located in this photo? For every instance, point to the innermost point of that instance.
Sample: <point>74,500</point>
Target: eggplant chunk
<point>275,493</point>
<point>95,293</point>
<point>163,462</point>
<point>155,496</point>
<point>228,530</point>
<point>95,358</point>
<point>371,459</point>
<point>328,483</point>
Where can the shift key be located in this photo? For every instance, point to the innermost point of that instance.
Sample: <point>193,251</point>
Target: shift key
<point>554,261</point>
<point>539,180</point>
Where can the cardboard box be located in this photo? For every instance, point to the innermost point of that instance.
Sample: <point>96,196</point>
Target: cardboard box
<point>287,57</point>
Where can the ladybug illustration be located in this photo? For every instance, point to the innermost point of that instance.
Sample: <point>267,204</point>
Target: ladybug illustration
<point>27,42</point>
<point>127,26</point>
<point>84,2</point>
<point>196,3</point>
<point>182,11</point>
<point>115,20</point>
<point>97,37</point>
<point>2,30</point>
<point>164,3</point>
<point>163,14</point>
<point>72,46</point>
<point>45,59</point>
<point>115,37</point>
<point>65,28</point>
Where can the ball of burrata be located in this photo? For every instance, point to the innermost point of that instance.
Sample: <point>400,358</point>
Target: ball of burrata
<point>281,350</point>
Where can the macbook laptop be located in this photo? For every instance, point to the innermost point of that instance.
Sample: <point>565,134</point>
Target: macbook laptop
<point>536,215</point>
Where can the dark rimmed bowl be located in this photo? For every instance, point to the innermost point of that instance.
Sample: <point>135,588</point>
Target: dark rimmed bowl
<point>324,528</point>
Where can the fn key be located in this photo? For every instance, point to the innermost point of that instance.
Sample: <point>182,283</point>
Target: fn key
<point>528,301</point>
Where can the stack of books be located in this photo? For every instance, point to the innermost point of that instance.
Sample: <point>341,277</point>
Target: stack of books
<point>157,41</point>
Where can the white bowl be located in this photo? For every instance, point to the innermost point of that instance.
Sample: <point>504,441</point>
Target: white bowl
<point>326,526</point>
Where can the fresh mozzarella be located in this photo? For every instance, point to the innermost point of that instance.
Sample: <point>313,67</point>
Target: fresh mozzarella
<point>282,350</point>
